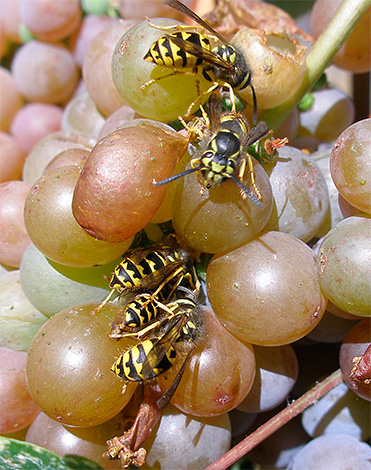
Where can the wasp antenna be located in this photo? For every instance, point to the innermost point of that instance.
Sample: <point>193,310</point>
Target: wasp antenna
<point>248,193</point>
<point>255,104</point>
<point>175,177</point>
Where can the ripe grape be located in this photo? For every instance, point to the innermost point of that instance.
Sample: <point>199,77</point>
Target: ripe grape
<point>267,291</point>
<point>335,451</point>
<point>300,194</point>
<point>355,359</point>
<point>239,219</point>
<point>49,20</point>
<point>114,196</point>
<point>19,319</point>
<point>35,121</point>
<point>18,409</point>
<point>350,165</point>
<point>45,72</point>
<point>276,374</point>
<point>53,228</point>
<point>11,101</point>
<point>202,391</point>
<point>184,441</point>
<point>343,256</point>
<point>14,238</point>
<point>68,367</point>
<point>12,158</point>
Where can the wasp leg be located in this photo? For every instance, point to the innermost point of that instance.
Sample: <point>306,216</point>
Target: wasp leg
<point>252,176</point>
<point>174,72</point>
<point>194,102</point>
<point>96,310</point>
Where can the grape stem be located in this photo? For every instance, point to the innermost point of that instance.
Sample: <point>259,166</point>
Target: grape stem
<point>275,423</point>
<point>320,56</point>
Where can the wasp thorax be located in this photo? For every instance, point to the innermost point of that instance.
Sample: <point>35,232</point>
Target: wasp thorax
<point>240,78</point>
<point>226,143</point>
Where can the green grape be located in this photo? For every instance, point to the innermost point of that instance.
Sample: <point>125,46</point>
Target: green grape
<point>161,100</point>
<point>343,265</point>
<point>267,292</point>
<point>68,367</point>
<point>220,218</point>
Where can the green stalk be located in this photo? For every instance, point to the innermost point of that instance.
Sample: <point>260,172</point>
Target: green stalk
<point>283,417</point>
<point>320,56</point>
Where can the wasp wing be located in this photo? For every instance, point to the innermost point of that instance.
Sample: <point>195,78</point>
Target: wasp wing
<point>179,6</point>
<point>215,111</point>
<point>162,344</point>
<point>257,132</point>
<point>198,51</point>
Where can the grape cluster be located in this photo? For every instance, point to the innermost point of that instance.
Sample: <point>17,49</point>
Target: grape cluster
<point>263,288</point>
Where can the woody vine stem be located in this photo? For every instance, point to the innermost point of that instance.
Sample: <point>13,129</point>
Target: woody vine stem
<point>319,57</point>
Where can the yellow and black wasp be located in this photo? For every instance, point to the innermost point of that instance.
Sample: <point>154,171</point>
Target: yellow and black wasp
<point>223,65</point>
<point>222,153</point>
<point>174,339</point>
<point>152,269</point>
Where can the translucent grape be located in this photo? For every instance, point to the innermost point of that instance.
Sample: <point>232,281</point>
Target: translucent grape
<point>68,367</point>
<point>344,256</point>
<point>267,292</point>
<point>53,228</point>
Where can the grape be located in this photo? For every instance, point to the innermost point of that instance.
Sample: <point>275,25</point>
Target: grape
<point>350,165</point>
<point>35,121</point>
<point>45,72</point>
<point>300,194</point>
<point>82,116</point>
<point>276,374</point>
<point>186,442</point>
<point>343,255</point>
<point>14,238</point>
<point>11,101</point>
<point>19,319</point>
<point>18,409</point>
<point>355,53</point>
<point>56,286</point>
<point>267,292</point>
<point>152,9</point>
<point>331,112</point>
<point>12,158</point>
<point>161,100</point>
<point>96,69</point>
<point>332,452</point>
<point>49,20</point>
<point>331,328</point>
<point>68,367</point>
<point>238,219</point>
<point>276,62</point>
<point>219,374</point>
<point>114,197</point>
<point>10,19</point>
<point>339,411</point>
<point>91,25</point>
<point>49,147</point>
<point>53,229</point>
<point>355,361</point>
<point>68,157</point>
<point>89,442</point>
<point>116,119</point>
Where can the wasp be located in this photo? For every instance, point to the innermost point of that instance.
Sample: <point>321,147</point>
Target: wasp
<point>153,268</point>
<point>222,153</point>
<point>155,355</point>
<point>223,65</point>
